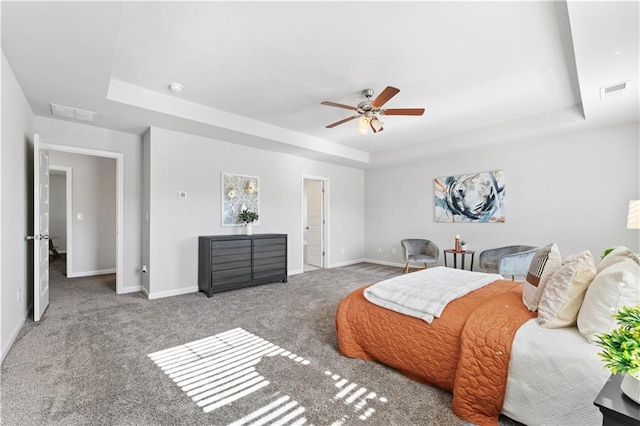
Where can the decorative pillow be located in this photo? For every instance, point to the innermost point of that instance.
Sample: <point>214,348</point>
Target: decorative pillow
<point>544,263</point>
<point>562,296</point>
<point>613,288</point>
<point>616,255</point>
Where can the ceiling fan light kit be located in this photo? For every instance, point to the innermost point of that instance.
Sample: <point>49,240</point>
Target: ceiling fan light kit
<point>368,110</point>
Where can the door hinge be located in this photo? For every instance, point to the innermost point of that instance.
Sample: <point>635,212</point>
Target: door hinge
<point>323,253</point>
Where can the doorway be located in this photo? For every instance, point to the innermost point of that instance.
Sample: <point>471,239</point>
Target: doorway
<point>119,212</point>
<point>314,227</point>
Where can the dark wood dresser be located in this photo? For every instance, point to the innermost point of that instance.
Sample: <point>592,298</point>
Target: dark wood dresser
<point>616,408</point>
<point>228,262</point>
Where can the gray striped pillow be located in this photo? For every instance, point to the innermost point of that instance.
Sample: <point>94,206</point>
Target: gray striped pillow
<point>543,264</point>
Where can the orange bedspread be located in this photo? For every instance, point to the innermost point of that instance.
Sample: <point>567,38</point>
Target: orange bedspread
<point>465,351</point>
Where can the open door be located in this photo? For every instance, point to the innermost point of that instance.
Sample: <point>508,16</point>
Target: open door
<point>315,223</point>
<point>40,235</point>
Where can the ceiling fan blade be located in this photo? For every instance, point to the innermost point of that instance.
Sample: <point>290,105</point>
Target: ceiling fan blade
<point>403,111</point>
<point>333,104</point>
<point>337,123</point>
<point>384,96</point>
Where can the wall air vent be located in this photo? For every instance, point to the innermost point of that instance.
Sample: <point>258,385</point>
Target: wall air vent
<point>613,90</point>
<point>69,112</point>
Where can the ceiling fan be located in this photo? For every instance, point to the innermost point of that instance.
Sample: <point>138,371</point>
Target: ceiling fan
<point>368,110</point>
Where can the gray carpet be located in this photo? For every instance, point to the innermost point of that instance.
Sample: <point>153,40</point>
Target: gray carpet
<point>87,361</point>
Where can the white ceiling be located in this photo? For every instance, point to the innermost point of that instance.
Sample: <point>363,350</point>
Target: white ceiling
<point>255,73</point>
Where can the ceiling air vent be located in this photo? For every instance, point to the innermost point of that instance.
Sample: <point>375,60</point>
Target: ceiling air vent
<point>69,112</point>
<point>613,90</point>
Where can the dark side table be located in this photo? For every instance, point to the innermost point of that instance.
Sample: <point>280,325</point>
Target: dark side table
<point>463,253</point>
<point>617,409</point>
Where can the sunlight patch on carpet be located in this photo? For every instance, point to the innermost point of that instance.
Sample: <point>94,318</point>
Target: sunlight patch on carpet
<point>219,370</point>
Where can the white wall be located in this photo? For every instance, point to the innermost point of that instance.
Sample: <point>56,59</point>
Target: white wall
<point>572,189</point>
<point>94,197</point>
<point>182,162</point>
<point>58,211</point>
<point>80,135</point>
<point>16,150</point>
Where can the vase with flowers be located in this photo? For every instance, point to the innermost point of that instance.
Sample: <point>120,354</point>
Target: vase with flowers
<point>621,350</point>
<point>247,217</point>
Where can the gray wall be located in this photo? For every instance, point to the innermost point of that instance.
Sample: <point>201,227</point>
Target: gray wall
<point>16,151</point>
<point>94,196</point>
<point>572,189</point>
<point>182,162</point>
<point>85,136</point>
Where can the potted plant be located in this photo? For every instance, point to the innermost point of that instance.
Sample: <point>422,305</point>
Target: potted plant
<point>621,350</point>
<point>248,217</point>
<point>463,245</point>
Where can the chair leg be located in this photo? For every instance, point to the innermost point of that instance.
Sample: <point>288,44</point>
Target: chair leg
<point>425,265</point>
<point>406,268</point>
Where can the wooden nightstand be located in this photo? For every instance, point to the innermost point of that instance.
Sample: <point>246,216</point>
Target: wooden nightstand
<point>616,408</point>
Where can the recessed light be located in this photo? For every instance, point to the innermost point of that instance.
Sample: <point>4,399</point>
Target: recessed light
<point>176,87</point>
<point>618,52</point>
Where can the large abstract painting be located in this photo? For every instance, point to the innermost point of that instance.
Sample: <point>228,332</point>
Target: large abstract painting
<point>476,197</point>
<point>239,193</point>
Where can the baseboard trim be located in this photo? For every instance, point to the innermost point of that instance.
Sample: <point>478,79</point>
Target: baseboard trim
<point>91,273</point>
<point>14,336</point>
<point>295,272</point>
<point>384,262</point>
<point>169,293</point>
<point>133,289</point>
<point>347,263</point>
<point>145,292</point>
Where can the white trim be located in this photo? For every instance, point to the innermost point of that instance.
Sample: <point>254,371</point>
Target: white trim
<point>295,272</point>
<point>14,336</point>
<point>384,262</point>
<point>169,293</point>
<point>347,263</point>
<point>68,172</point>
<point>145,292</point>
<point>91,273</point>
<point>133,289</point>
<point>119,157</point>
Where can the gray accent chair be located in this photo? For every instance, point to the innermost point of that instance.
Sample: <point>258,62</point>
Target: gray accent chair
<point>509,260</point>
<point>419,251</point>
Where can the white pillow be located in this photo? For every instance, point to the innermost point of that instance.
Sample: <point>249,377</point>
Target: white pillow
<point>613,288</point>
<point>616,255</point>
<point>562,296</point>
<point>544,263</point>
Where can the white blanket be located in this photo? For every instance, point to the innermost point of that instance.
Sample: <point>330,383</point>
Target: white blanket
<point>425,294</point>
<point>554,377</point>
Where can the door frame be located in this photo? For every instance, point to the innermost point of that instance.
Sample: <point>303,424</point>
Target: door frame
<point>119,157</point>
<point>68,173</point>
<point>325,213</point>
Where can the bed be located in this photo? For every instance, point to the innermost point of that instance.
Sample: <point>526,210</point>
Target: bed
<point>487,349</point>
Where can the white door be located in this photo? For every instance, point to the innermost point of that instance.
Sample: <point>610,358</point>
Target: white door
<point>40,229</point>
<point>315,223</point>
